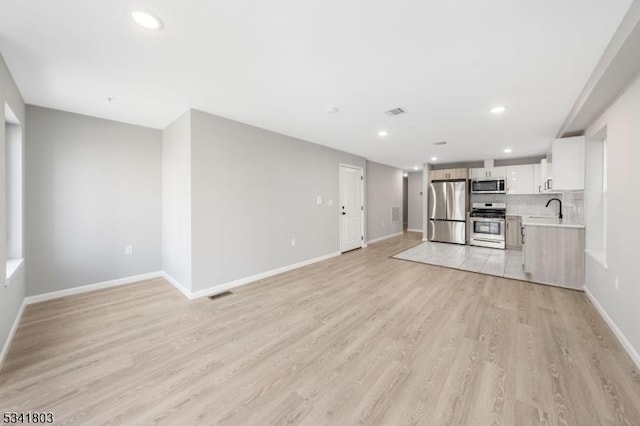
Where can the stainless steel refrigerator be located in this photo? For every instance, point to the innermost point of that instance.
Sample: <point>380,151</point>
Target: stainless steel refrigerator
<point>448,212</point>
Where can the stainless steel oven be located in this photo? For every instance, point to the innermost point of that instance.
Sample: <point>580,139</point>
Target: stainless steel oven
<point>488,225</point>
<point>487,232</point>
<point>488,186</point>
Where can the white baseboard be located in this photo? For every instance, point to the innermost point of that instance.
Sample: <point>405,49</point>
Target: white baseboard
<point>186,292</point>
<point>414,230</point>
<point>136,278</point>
<point>12,333</point>
<point>90,287</point>
<point>221,288</point>
<point>177,285</point>
<point>385,237</point>
<point>633,353</point>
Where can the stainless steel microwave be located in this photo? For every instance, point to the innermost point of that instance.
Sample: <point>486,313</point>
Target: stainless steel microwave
<point>488,186</point>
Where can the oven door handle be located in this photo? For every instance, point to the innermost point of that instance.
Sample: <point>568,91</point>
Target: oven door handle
<point>489,240</point>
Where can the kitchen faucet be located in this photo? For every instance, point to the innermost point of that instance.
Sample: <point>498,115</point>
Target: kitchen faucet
<point>559,202</point>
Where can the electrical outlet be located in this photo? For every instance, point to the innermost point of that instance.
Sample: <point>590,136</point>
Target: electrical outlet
<point>293,242</point>
<point>128,250</point>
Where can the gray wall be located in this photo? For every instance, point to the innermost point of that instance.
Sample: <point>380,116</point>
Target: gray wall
<point>176,200</point>
<point>94,186</point>
<point>415,201</point>
<point>12,293</point>
<point>384,190</point>
<point>623,150</point>
<point>498,162</point>
<point>252,192</point>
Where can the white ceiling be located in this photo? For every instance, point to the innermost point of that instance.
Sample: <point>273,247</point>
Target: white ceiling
<point>280,64</point>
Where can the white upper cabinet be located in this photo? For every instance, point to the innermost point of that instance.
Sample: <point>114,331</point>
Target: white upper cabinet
<point>538,181</point>
<point>497,172</point>
<point>487,172</point>
<point>519,179</point>
<point>476,173</point>
<point>543,177</point>
<point>568,159</point>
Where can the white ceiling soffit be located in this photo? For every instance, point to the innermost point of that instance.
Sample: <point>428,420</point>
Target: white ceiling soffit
<point>9,116</point>
<point>282,65</point>
<point>616,70</point>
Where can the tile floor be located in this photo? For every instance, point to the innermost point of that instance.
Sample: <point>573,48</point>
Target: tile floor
<point>503,263</point>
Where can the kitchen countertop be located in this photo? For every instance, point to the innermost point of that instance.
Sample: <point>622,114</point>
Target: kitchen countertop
<point>549,221</point>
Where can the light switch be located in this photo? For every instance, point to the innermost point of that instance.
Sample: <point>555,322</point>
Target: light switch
<point>319,200</point>
<point>330,203</point>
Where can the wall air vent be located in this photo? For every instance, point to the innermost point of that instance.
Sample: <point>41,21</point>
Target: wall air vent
<point>395,214</point>
<point>395,111</point>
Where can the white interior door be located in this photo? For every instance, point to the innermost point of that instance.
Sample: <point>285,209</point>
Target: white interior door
<point>351,208</point>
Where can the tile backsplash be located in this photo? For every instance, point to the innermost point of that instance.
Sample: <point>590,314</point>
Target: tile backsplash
<point>534,205</point>
<point>573,206</point>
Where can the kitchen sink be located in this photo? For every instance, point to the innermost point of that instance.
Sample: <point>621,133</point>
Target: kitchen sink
<point>544,220</point>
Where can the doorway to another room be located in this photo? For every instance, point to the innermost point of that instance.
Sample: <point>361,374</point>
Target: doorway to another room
<point>351,207</point>
<point>413,201</point>
<point>405,202</point>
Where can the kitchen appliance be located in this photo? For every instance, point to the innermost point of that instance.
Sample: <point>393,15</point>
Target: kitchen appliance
<point>488,225</point>
<point>447,212</point>
<point>488,186</point>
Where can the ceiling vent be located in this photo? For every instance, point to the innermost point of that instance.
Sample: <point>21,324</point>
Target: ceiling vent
<point>395,111</point>
<point>440,143</point>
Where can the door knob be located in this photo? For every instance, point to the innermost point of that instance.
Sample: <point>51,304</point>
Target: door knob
<point>344,213</point>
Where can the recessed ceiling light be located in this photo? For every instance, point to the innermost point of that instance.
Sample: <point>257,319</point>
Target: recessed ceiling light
<point>416,168</point>
<point>406,175</point>
<point>383,133</point>
<point>507,150</point>
<point>146,20</point>
<point>434,158</point>
<point>498,109</point>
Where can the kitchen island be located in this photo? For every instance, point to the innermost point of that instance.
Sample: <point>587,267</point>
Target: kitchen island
<point>553,251</point>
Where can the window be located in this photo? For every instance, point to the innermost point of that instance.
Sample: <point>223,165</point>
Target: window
<point>13,190</point>
<point>596,197</point>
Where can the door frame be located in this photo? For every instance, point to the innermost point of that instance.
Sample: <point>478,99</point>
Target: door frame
<point>363,242</point>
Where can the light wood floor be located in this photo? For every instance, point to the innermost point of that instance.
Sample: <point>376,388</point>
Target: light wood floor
<point>361,338</point>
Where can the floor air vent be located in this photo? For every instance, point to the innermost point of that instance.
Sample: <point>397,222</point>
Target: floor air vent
<point>218,296</point>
